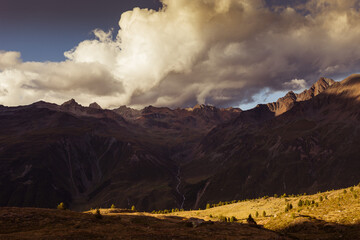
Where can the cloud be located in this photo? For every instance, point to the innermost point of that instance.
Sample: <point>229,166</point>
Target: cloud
<point>295,84</point>
<point>203,51</point>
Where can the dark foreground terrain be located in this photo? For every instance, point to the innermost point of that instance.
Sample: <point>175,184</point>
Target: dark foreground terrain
<point>32,223</point>
<point>324,216</point>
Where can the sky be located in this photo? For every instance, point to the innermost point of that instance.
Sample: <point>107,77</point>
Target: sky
<point>174,53</point>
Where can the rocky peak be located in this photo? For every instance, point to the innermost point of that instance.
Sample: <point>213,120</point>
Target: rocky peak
<point>95,105</point>
<point>70,103</point>
<point>203,107</point>
<point>127,113</point>
<point>321,85</point>
<point>287,102</point>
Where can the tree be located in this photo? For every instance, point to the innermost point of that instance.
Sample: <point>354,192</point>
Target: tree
<point>250,220</point>
<point>61,206</point>
<point>98,214</point>
<point>233,219</point>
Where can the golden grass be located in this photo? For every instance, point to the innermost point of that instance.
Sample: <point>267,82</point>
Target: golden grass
<point>336,207</point>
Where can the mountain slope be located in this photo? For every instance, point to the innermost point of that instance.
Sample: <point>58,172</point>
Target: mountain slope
<point>87,156</point>
<point>158,158</point>
<point>310,147</point>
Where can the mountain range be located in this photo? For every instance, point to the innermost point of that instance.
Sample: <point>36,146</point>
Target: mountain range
<point>158,158</point>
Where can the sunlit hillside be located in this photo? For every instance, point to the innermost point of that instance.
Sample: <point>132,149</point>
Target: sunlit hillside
<point>328,215</point>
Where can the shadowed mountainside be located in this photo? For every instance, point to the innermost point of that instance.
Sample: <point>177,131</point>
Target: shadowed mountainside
<point>158,158</point>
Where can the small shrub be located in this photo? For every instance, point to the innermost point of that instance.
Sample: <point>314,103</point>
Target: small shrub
<point>300,203</point>
<point>210,215</point>
<point>208,206</point>
<point>222,218</point>
<point>275,195</point>
<point>355,196</point>
<point>112,206</point>
<point>250,220</point>
<point>321,198</point>
<point>351,189</point>
<point>264,213</point>
<point>344,191</point>
<point>257,214</point>
<point>233,219</point>
<point>293,215</point>
<point>316,204</point>
<point>133,208</point>
<point>61,206</point>
<point>97,214</point>
<point>288,207</point>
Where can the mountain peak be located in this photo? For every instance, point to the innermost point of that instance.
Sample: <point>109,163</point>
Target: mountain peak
<point>71,102</point>
<point>95,105</point>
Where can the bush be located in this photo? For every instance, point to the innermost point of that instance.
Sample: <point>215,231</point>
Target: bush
<point>112,206</point>
<point>222,218</point>
<point>264,213</point>
<point>208,206</point>
<point>300,203</point>
<point>257,214</point>
<point>275,195</point>
<point>321,198</point>
<point>98,214</point>
<point>250,220</point>
<point>345,191</point>
<point>233,219</point>
<point>288,207</point>
<point>351,189</point>
<point>61,206</point>
<point>133,208</point>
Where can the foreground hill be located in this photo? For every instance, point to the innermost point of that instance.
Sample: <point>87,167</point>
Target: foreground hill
<point>32,223</point>
<point>158,158</point>
<point>325,216</point>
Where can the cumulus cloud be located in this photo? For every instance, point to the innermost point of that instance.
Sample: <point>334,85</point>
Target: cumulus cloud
<point>219,52</point>
<point>295,84</point>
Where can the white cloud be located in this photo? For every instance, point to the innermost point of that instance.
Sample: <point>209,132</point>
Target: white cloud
<point>219,52</point>
<point>295,84</point>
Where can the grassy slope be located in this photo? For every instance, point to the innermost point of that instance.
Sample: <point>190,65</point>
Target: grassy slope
<point>336,216</point>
